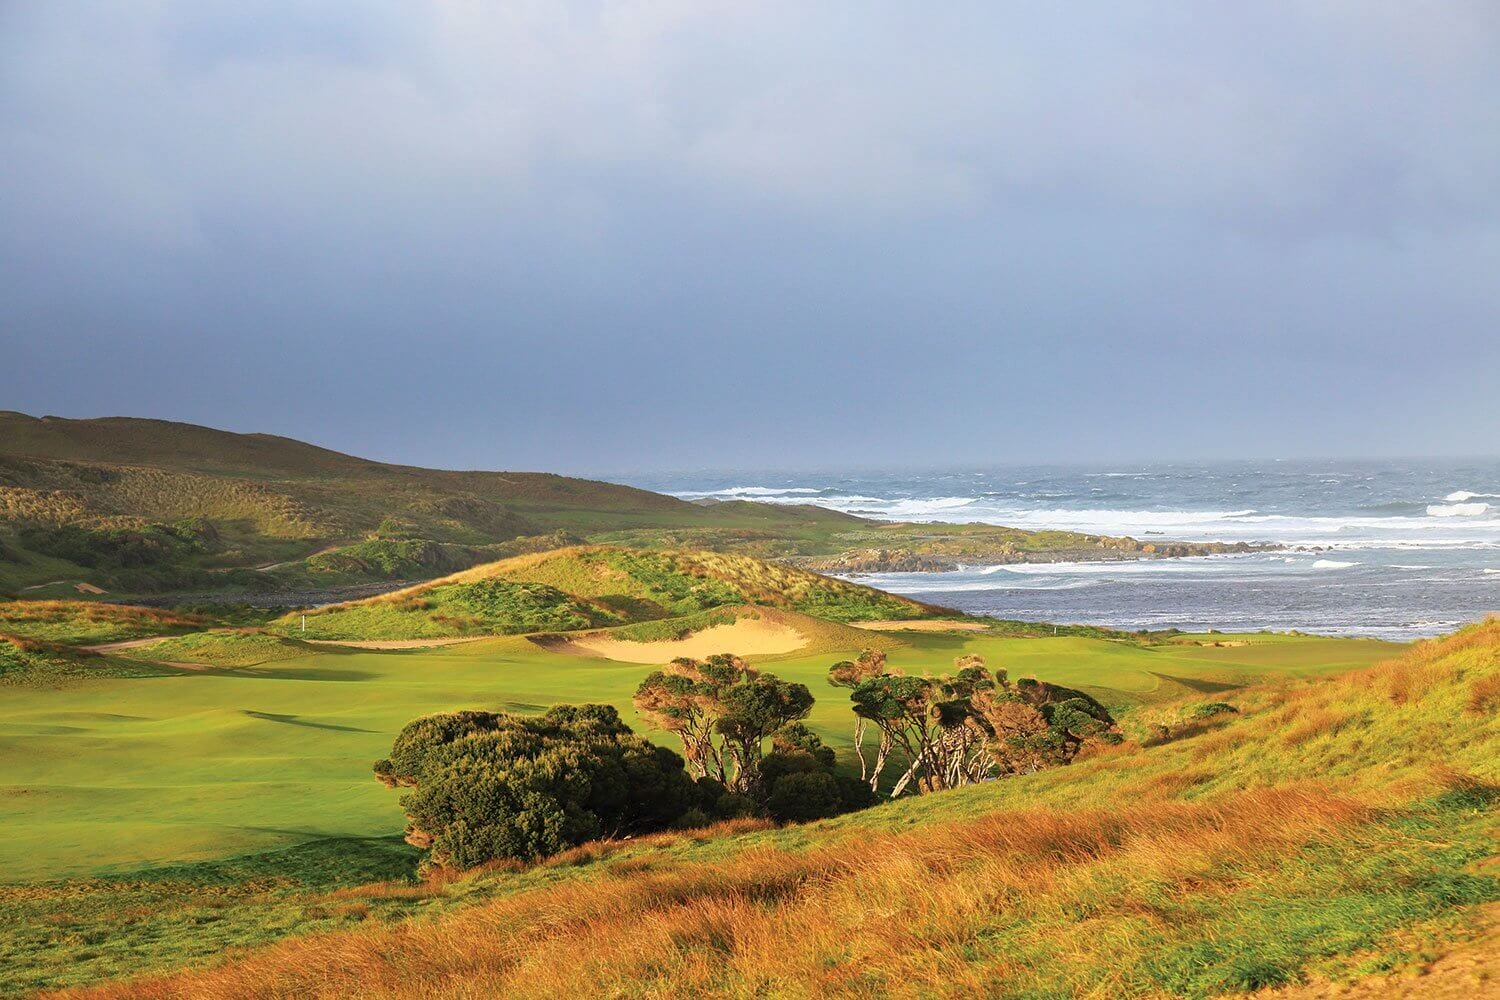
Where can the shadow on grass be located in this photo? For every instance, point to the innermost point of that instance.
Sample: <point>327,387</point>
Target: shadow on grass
<point>321,861</point>
<point>294,720</point>
<point>284,674</point>
<point>1195,684</point>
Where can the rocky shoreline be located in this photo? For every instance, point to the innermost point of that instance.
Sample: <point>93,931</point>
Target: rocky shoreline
<point>905,560</point>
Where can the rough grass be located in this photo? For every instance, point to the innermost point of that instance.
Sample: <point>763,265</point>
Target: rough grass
<point>90,622</point>
<point>591,586</point>
<point>483,607</point>
<point>37,663</point>
<point>1223,861</point>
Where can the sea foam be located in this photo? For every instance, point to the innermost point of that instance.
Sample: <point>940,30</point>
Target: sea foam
<point>1458,509</point>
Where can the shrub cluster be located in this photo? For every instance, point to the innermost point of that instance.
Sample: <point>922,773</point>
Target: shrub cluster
<point>489,785</point>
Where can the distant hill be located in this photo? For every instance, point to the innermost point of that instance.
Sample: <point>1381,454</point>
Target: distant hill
<point>595,586</point>
<point>137,507</point>
<point>133,504</point>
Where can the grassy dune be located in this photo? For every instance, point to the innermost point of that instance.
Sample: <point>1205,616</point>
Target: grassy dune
<point>83,623</point>
<point>1333,829</point>
<point>589,587</point>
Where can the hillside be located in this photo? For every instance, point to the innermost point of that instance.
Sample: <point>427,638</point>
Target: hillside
<point>1327,831</point>
<point>585,587</point>
<point>136,506</point>
<point>148,505</point>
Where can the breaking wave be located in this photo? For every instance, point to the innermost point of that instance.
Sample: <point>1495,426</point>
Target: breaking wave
<point>1458,509</point>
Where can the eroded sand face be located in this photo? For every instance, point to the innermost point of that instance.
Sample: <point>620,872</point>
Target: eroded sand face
<point>746,637</point>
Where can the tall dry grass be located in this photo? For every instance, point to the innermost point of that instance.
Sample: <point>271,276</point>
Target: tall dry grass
<point>885,910</point>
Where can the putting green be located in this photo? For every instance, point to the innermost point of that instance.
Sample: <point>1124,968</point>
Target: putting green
<point>116,772</point>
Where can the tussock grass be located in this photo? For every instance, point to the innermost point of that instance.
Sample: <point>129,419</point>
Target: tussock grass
<point>90,622</point>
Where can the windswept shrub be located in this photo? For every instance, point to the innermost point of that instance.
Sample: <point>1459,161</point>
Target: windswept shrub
<point>490,785</point>
<point>969,726</point>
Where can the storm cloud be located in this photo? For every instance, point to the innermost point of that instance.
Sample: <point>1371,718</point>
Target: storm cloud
<point>608,237</point>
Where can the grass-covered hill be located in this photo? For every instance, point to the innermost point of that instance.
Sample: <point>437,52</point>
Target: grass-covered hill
<point>148,504</point>
<point>140,506</point>
<point>583,587</point>
<point>1327,831</point>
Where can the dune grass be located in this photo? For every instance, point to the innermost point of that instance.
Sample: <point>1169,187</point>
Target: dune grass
<point>591,586</point>
<point>481,607</point>
<point>1336,827</point>
<point>83,623</point>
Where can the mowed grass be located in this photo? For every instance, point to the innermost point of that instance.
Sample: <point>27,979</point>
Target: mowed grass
<point>1335,828</point>
<point>190,765</point>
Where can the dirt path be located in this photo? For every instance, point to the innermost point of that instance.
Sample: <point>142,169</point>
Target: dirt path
<point>394,643</point>
<point>115,647</point>
<point>82,586</point>
<point>268,567</point>
<point>151,640</point>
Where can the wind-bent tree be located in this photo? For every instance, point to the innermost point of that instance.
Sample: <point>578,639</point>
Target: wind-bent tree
<point>969,726</point>
<point>723,710</point>
<point>849,674</point>
<point>489,785</point>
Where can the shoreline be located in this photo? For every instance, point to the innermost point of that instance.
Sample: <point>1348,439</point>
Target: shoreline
<point>1105,549</point>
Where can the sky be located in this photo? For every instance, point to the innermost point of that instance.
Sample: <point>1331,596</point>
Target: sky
<point>616,237</point>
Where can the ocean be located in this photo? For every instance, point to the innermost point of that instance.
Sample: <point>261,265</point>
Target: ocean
<point>1391,549</point>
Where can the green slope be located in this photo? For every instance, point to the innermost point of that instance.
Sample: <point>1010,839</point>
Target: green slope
<point>590,586</point>
<point>142,505</point>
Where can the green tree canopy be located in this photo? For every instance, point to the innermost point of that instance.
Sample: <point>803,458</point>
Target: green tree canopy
<point>488,785</point>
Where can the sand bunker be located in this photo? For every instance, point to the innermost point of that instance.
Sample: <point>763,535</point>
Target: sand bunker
<point>746,637</point>
<point>921,626</point>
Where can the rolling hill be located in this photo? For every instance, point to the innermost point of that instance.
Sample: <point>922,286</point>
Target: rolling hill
<point>585,587</point>
<point>151,505</point>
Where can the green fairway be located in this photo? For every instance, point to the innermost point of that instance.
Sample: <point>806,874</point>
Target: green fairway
<point>105,774</point>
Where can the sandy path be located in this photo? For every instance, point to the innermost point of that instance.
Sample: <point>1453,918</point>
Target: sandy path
<point>112,647</point>
<point>746,637</point>
<point>923,625</point>
<point>394,643</point>
<point>83,587</point>
<point>151,640</point>
<point>268,567</point>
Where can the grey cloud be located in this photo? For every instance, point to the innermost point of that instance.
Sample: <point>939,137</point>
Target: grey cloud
<point>598,235</point>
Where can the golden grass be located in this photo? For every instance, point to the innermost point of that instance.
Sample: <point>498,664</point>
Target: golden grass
<point>895,907</point>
